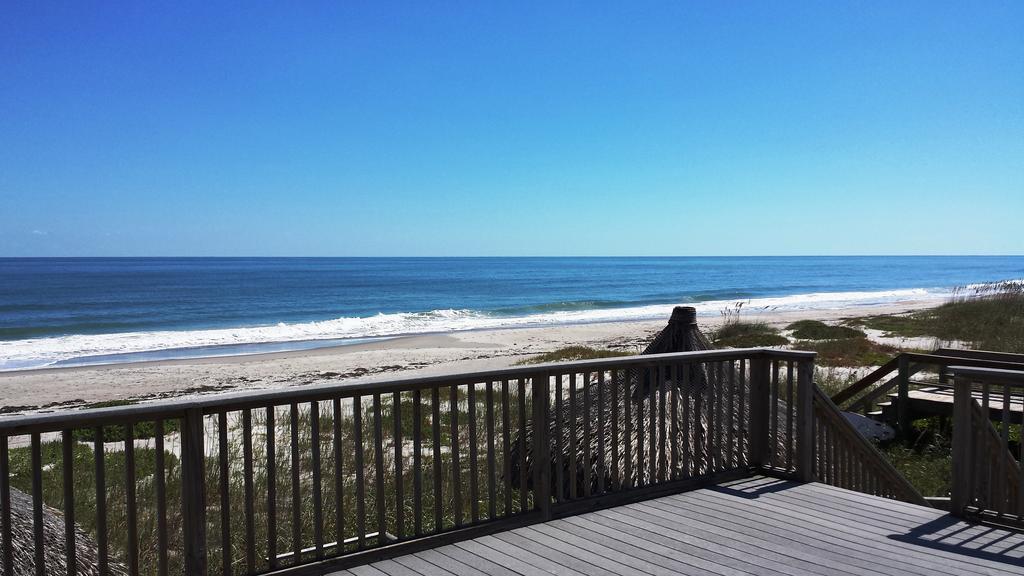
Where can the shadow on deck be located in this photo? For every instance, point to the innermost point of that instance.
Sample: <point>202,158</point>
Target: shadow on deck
<point>757,525</point>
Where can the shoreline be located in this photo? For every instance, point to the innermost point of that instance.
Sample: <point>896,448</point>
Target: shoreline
<point>40,389</point>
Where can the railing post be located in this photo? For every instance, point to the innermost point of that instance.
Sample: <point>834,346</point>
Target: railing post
<point>193,493</point>
<point>903,396</point>
<point>760,397</point>
<point>960,495</point>
<point>541,447</point>
<point>805,421</point>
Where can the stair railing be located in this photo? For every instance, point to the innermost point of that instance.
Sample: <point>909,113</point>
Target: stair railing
<point>987,478</point>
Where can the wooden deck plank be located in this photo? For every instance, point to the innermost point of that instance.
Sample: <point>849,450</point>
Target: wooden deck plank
<point>482,565</point>
<point>839,535</point>
<point>657,529</point>
<point>673,551</point>
<point>761,526</point>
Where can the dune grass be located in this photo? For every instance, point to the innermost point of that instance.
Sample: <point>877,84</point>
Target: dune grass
<point>988,318</point>
<point>817,330</point>
<point>572,354</point>
<point>743,334</point>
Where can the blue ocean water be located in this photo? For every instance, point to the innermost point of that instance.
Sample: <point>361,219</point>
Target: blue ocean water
<point>88,310</point>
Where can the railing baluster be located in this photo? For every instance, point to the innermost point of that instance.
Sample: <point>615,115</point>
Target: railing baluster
<point>774,415</point>
<point>271,436</point>
<point>627,433</point>
<point>378,452</point>
<point>435,427</point>
<point>570,428</point>
<point>523,493</point>
<point>417,462</point>
<point>396,416</point>
<point>67,443</point>
<point>247,481</point>
<point>662,426</point>
<point>102,554</point>
<point>38,538</point>
<point>357,440</point>
<point>318,505</point>
<point>587,449</point>
<point>130,501</point>
<point>602,465</point>
<point>744,390</point>
<point>474,472</point>
<point>506,448</point>
<point>1004,440</point>
<point>688,432</point>
<point>161,498</point>
<point>193,490</point>
<point>7,562</point>
<point>560,494</point>
<point>453,417</point>
<point>790,408</point>
<point>339,479</point>
<point>730,408</point>
<point>638,396</point>
<point>296,484</point>
<point>652,425</point>
<point>616,468</point>
<point>225,500</point>
<point>719,383</point>
<point>491,465</point>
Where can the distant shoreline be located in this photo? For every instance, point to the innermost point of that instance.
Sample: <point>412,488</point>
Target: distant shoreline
<point>386,359</point>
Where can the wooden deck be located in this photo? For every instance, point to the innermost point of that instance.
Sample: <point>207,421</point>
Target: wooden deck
<point>754,526</point>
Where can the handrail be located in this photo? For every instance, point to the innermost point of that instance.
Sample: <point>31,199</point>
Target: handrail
<point>915,362</point>
<point>882,371</point>
<point>16,425</point>
<point>987,478</point>
<point>981,355</point>
<point>837,457</point>
<point>384,467</point>
<point>990,375</point>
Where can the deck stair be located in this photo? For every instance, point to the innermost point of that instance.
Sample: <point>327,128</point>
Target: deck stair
<point>912,386</point>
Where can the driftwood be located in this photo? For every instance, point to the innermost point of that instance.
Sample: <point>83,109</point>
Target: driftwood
<point>53,542</point>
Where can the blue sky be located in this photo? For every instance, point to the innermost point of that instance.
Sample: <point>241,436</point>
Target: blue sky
<point>712,128</point>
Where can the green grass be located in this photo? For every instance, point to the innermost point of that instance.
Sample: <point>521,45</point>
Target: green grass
<point>740,334</point>
<point>990,318</point>
<point>924,457</point>
<point>117,433</point>
<point>815,330</point>
<point>571,354</point>
<point>831,380</point>
<point>849,352</point>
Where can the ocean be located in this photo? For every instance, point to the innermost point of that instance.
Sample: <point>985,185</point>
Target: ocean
<point>79,311</point>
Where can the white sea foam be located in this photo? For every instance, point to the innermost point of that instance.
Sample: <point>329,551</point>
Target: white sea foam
<point>41,352</point>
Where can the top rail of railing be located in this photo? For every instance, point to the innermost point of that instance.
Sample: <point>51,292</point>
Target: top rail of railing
<point>989,375</point>
<point>53,422</point>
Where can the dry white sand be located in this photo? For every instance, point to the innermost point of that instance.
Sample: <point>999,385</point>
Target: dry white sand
<point>405,357</point>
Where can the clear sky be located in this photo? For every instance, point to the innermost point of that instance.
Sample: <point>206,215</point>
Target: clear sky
<point>461,128</point>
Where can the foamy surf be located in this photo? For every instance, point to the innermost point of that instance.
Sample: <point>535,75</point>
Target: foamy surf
<point>120,347</point>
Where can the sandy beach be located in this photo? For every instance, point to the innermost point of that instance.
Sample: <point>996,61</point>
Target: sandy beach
<point>403,357</point>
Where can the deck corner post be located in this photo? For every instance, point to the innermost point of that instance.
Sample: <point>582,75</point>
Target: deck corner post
<point>960,493</point>
<point>760,397</point>
<point>805,421</point>
<point>193,456</point>
<point>541,449</point>
<point>903,396</point>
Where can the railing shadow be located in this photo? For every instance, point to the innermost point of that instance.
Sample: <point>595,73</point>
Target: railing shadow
<point>973,540</point>
<point>754,488</point>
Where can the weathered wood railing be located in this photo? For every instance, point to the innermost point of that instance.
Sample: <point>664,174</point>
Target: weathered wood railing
<point>844,458</point>
<point>302,480</point>
<point>987,478</point>
<point>896,375</point>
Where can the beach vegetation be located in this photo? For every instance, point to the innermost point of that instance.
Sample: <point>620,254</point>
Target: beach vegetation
<point>573,354</point>
<point>990,317</point>
<point>850,352</point>
<point>817,330</point>
<point>140,430</point>
<point>745,334</point>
